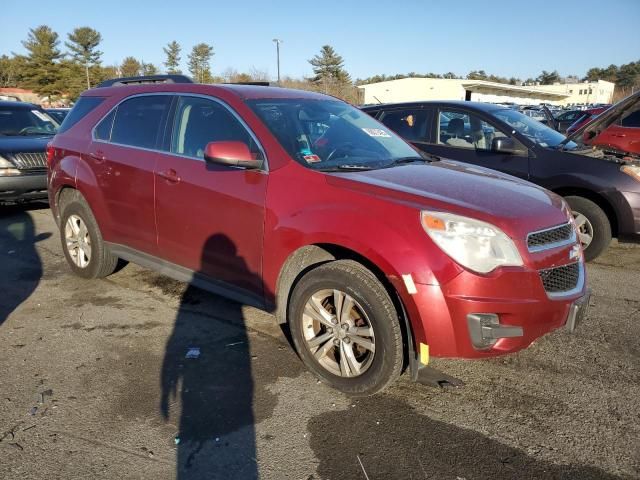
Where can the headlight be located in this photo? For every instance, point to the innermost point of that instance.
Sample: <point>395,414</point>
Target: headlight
<point>7,169</point>
<point>477,245</point>
<point>632,170</point>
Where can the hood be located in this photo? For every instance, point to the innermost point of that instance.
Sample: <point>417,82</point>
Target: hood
<point>24,144</point>
<point>516,206</point>
<point>551,120</point>
<point>593,128</point>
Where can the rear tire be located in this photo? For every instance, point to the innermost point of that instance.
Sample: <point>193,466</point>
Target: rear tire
<point>593,226</point>
<point>82,242</point>
<point>366,328</point>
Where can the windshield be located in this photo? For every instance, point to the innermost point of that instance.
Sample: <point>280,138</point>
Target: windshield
<point>331,135</point>
<point>26,122</point>
<point>532,129</point>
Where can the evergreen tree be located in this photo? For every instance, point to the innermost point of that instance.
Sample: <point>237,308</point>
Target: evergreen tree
<point>328,67</point>
<point>42,69</point>
<point>172,51</point>
<point>477,75</point>
<point>199,62</point>
<point>149,69</point>
<point>548,78</point>
<point>83,45</point>
<point>72,76</point>
<point>130,67</point>
<point>12,71</point>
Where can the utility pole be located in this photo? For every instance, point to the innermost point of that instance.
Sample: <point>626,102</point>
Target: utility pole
<point>277,41</point>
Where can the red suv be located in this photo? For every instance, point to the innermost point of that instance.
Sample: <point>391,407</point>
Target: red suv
<point>375,255</point>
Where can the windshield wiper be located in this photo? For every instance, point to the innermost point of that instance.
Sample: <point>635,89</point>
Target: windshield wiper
<point>353,167</point>
<point>422,159</point>
<point>346,167</point>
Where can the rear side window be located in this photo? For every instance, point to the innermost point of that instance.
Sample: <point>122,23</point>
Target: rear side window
<point>139,121</point>
<point>81,109</point>
<point>103,129</point>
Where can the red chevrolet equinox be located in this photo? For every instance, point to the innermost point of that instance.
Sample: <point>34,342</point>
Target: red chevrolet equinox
<point>375,255</point>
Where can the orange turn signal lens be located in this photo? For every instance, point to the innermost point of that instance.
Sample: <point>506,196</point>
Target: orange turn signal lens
<point>433,223</point>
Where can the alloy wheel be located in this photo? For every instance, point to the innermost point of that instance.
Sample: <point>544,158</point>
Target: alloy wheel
<point>338,333</point>
<point>78,241</point>
<point>585,229</point>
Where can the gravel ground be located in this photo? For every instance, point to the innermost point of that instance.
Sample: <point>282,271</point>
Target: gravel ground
<point>94,383</point>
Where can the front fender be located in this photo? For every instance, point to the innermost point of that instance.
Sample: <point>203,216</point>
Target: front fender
<point>397,248</point>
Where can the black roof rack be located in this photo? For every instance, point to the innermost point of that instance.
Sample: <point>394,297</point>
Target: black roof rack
<point>118,82</point>
<point>257,84</point>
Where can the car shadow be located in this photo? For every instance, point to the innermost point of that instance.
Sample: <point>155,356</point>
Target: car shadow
<point>206,383</point>
<point>20,265</point>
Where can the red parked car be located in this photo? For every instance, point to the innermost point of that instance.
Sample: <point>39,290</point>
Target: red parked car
<point>616,129</point>
<point>587,116</point>
<point>376,256</point>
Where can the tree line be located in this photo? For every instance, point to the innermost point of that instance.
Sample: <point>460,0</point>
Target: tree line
<point>55,73</point>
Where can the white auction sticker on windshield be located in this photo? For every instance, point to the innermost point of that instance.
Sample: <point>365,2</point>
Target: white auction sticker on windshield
<point>41,116</point>
<point>376,132</point>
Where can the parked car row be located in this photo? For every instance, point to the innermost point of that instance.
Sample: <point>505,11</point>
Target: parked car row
<point>377,256</point>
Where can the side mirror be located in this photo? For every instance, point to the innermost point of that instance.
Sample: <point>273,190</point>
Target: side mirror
<point>234,154</point>
<point>507,145</point>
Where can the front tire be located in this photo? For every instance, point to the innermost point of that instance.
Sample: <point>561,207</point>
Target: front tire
<point>82,242</point>
<point>346,329</point>
<point>594,229</point>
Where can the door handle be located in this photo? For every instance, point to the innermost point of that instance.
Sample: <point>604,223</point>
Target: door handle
<point>98,156</point>
<point>170,175</point>
<point>619,135</point>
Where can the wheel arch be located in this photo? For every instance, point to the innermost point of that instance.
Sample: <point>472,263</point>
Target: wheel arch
<point>308,257</point>
<point>596,198</point>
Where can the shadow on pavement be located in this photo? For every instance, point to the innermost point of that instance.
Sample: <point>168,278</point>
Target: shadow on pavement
<point>215,389</point>
<point>20,264</point>
<point>416,446</point>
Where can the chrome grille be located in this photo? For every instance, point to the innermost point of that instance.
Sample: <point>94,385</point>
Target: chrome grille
<point>30,161</point>
<point>560,279</point>
<point>551,237</point>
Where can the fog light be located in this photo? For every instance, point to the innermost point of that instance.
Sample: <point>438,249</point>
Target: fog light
<point>485,330</point>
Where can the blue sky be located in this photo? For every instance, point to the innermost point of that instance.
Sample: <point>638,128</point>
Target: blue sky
<point>508,38</point>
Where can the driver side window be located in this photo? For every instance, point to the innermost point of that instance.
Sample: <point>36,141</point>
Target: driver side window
<point>465,130</point>
<point>199,121</point>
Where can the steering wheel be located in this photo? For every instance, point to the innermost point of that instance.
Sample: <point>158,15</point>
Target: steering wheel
<point>26,130</point>
<point>341,147</point>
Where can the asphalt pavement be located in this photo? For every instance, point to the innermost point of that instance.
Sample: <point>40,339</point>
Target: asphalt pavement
<point>95,382</point>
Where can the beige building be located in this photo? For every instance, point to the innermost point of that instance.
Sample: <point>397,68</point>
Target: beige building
<point>583,92</point>
<point>417,89</point>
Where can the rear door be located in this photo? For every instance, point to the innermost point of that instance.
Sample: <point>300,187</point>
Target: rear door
<point>466,136</point>
<point>210,217</point>
<point>123,152</point>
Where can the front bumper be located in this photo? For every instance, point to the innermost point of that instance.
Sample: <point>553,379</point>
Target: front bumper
<point>23,187</point>
<point>516,297</point>
<point>629,228</point>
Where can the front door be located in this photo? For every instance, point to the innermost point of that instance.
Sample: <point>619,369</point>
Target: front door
<point>210,217</point>
<point>464,136</point>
